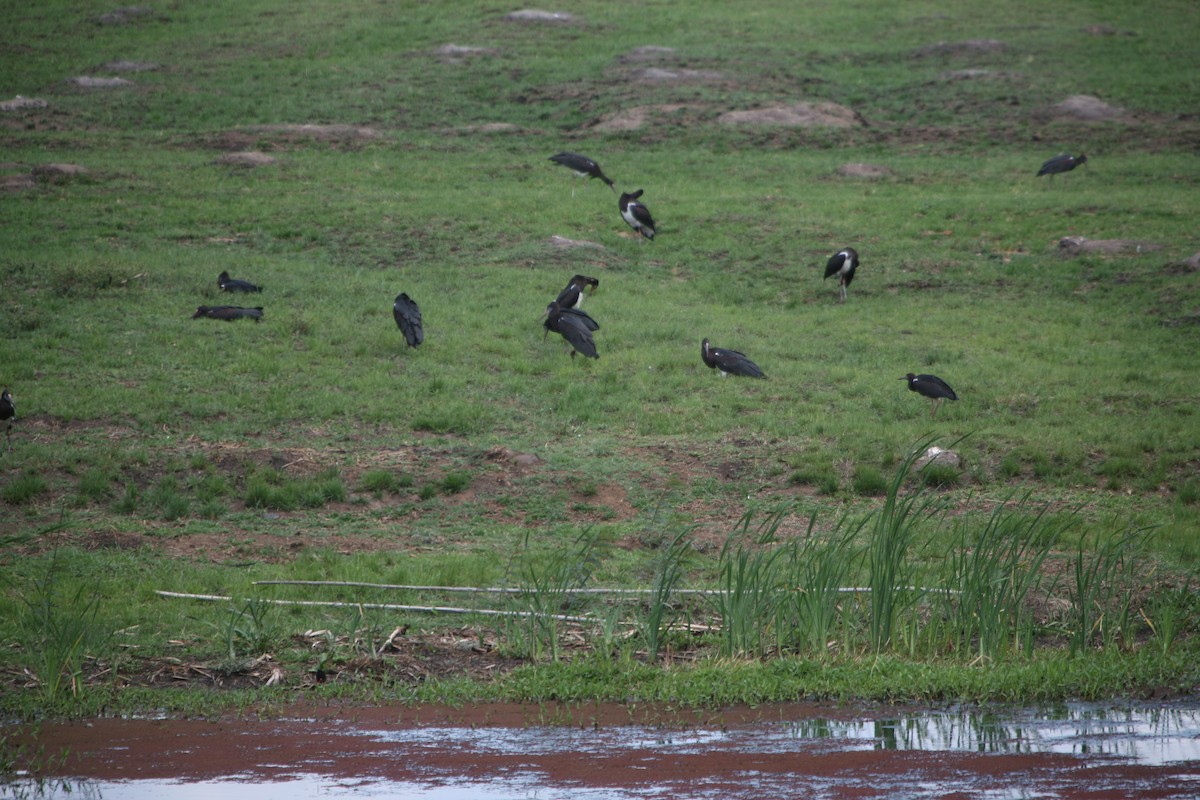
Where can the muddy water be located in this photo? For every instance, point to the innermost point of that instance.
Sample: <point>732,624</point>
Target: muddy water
<point>503,752</point>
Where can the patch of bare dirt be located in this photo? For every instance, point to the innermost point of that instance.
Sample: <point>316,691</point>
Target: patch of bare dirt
<point>20,103</point>
<point>94,82</point>
<point>632,119</point>
<point>458,53</point>
<point>661,75</point>
<point>539,16</point>
<point>797,115</point>
<point>858,170</point>
<point>1085,108</point>
<point>1076,245</point>
<point>124,15</point>
<point>1107,30</point>
<point>563,243</point>
<point>246,158</point>
<point>59,173</point>
<point>260,137</point>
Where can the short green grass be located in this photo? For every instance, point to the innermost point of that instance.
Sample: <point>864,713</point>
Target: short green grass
<point>293,444</point>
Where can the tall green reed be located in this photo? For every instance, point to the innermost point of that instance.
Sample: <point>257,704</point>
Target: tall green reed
<point>748,590</point>
<point>1101,609</point>
<point>992,571</point>
<point>669,569</point>
<point>814,573</point>
<point>891,573</point>
<point>60,630</point>
<point>547,581</point>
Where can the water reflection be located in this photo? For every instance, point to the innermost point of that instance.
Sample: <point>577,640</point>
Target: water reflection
<point>765,760</point>
<point>1144,735</point>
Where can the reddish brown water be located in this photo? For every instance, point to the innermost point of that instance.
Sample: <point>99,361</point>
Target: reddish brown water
<point>599,753</point>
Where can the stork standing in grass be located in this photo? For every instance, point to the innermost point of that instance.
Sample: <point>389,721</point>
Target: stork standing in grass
<point>930,386</point>
<point>1063,162</point>
<point>408,319</point>
<point>572,296</point>
<point>583,167</point>
<point>728,362</point>
<point>573,325</point>
<point>636,214</point>
<point>8,412</point>
<point>843,264</point>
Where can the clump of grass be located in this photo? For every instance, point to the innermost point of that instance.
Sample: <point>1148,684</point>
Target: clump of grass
<point>939,476</point>
<point>747,583</point>
<point>170,502</point>
<point>869,481</point>
<point>820,476</point>
<point>670,566</point>
<point>379,482</point>
<point>993,570</point>
<point>24,489</point>
<point>455,482</point>
<point>546,581</point>
<point>60,629</point>
<point>128,501</point>
<point>891,573</point>
<point>95,486</point>
<point>271,489</point>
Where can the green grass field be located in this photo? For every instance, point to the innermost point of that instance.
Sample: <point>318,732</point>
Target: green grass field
<point>155,451</point>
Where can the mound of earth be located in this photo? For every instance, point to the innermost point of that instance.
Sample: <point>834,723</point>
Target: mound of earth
<point>20,103</point>
<point>123,16</point>
<point>1085,107</point>
<point>798,115</point>
<point>1076,245</point>
<point>246,158</point>
<point>461,52</point>
<point>863,171</point>
<point>660,75</point>
<point>58,173</point>
<point>564,243</point>
<point>92,82</point>
<point>634,118</point>
<point>537,15</point>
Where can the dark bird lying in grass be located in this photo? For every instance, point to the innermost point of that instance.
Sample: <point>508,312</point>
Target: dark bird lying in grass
<point>408,319</point>
<point>843,264</point>
<point>573,325</point>
<point>582,166</point>
<point>229,284</point>
<point>636,214</point>
<point>572,296</point>
<point>229,313</point>
<point>8,412</point>
<point>729,362</point>
<point>930,386</point>
<point>1063,162</point>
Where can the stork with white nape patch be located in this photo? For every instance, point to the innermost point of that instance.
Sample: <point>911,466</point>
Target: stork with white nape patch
<point>636,214</point>
<point>843,264</point>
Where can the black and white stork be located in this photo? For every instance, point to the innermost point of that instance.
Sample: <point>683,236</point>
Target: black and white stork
<point>1063,162</point>
<point>572,296</point>
<point>573,325</point>
<point>930,386</point>
<point>229,284</point>
<point>729,362</point>
<point>582,166</point>
<point>843,264</point>
<point>408,319</point>
<point>229,313</point>
<point>8,412</point>
<point>636,214</point>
